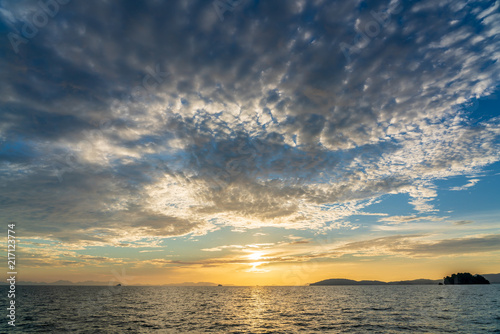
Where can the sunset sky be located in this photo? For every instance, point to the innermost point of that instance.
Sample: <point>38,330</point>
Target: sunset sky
<point>250,142</point>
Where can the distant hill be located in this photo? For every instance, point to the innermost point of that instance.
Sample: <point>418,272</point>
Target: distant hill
<point>493,278</point>
<point>96,283</point>
<point>342,281</point>
<point>191,284</point>
<point>64,282</point>
<point>421,281</point>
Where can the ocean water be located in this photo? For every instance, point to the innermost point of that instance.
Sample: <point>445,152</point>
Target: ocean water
<point>318,309</point>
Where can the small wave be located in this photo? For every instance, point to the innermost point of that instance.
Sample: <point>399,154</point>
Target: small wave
<point>286,315</point>
<point>310,313</point>
<point>380,308</point>
<point>303,324</point>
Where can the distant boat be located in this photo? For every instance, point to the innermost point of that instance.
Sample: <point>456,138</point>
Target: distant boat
<point>219,285</point>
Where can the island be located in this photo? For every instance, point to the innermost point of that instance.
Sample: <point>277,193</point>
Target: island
<point>465,278</point>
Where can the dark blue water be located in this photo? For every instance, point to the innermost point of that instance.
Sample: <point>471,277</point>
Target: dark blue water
<point>330,309</point>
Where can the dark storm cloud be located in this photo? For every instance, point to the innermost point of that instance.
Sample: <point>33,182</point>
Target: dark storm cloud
<point>159,115</point>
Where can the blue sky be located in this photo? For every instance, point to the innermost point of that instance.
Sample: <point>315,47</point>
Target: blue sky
<point>236,140</point>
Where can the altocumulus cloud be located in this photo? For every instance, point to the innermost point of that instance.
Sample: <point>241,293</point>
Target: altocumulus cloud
<point>155,119</point>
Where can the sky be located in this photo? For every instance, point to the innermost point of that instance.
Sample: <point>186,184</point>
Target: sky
<point>250,142</point>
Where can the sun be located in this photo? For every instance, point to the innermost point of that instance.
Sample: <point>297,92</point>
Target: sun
<point>257,260</point>
<point>255,256</point>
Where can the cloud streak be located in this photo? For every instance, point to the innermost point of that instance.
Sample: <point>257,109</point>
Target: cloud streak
<point>471,183</point>
<point>414,246</point>
<point>405,246</point>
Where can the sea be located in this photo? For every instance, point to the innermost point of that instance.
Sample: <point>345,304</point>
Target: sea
<point>257,309</point>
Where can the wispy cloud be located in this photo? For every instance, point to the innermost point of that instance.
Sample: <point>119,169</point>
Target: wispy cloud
<point>471,183</point>
<point>417,246</point>
<point>413,218</point>
<point>463,222</point>
<point>405,246</point>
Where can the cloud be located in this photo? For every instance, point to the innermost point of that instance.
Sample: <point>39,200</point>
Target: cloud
<point>173,122</point>
<point>416,246</point>
<point>471,183</point>
<point>220,248</point>
<point>406,219</point>
<point>406,246</point>
<point>243,248</point>
<point>463,222</point>
<point>35,256</point>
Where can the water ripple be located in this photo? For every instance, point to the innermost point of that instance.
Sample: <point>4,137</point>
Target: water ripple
<point>330,309</point>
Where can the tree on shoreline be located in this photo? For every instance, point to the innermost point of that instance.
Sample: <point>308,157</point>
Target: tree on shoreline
<point>465,278</point>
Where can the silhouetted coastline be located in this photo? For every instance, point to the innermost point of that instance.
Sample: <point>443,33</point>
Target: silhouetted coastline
<point>459,278</point>
<point>341,281</point>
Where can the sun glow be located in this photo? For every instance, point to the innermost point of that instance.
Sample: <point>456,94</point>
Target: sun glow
<point>254,256</point>
<point>257,258</point>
